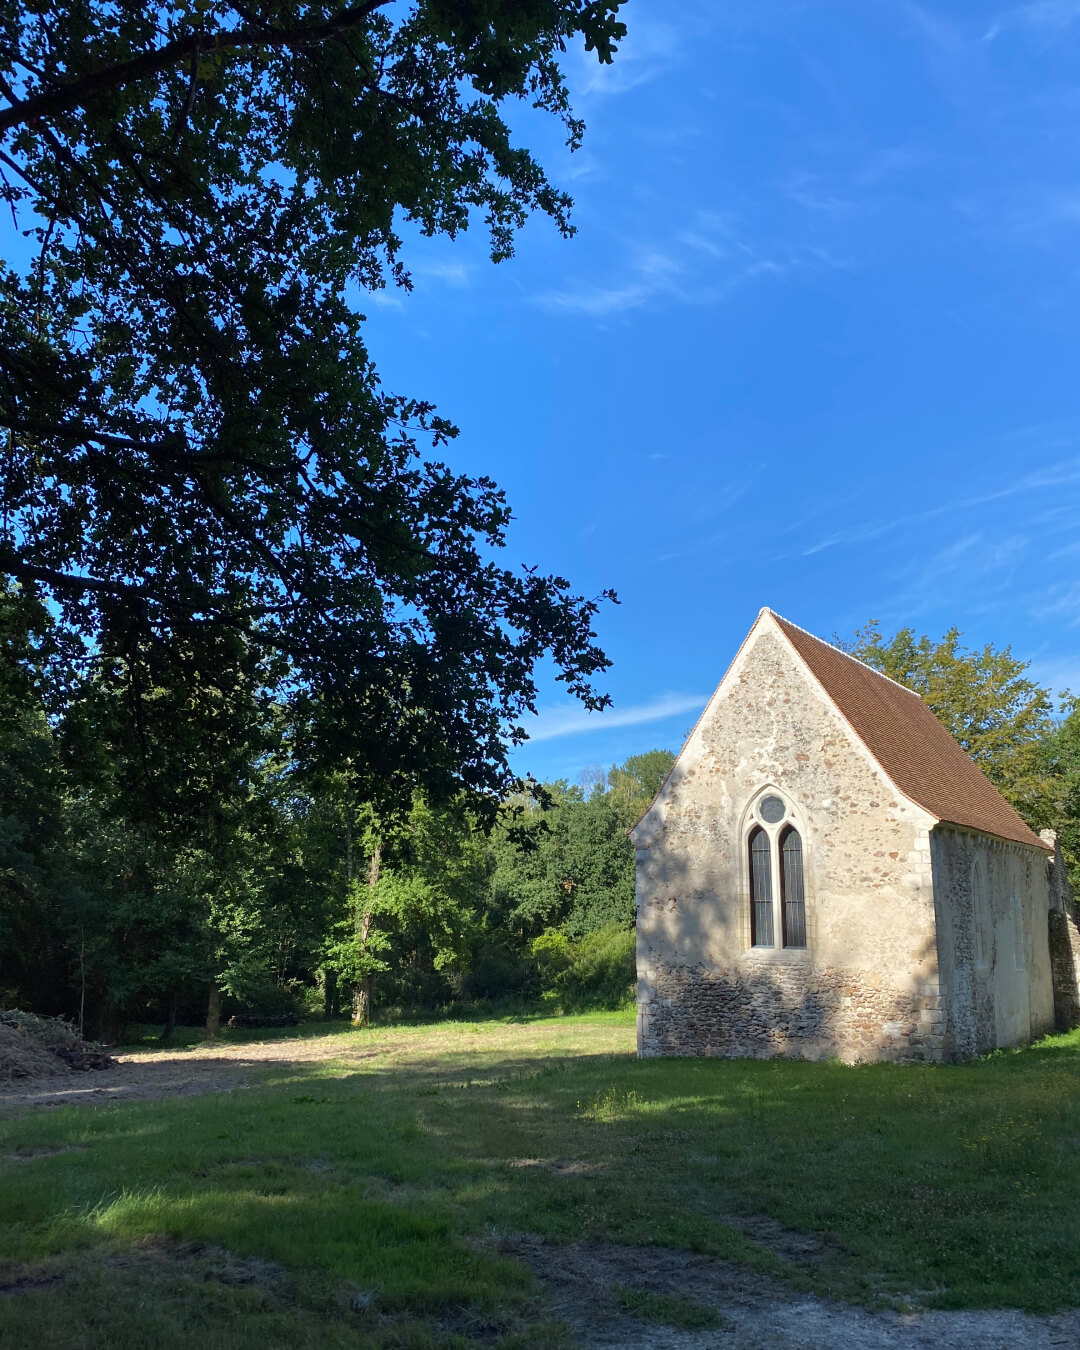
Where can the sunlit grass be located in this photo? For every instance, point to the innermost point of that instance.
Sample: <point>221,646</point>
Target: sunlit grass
<point>384,1181</point>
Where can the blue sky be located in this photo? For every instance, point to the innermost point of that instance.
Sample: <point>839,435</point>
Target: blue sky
<point>813,347</point>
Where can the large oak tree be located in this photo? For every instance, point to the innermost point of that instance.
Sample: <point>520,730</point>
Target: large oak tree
<point>195,447</point>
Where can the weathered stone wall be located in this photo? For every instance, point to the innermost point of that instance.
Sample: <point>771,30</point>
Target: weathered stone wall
<point>1064,936</point>
<point>785,1009</point>
<point>1005,995</point>
<point>866,985</point>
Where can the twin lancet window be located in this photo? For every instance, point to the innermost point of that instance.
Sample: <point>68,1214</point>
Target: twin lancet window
<point>776,859</point>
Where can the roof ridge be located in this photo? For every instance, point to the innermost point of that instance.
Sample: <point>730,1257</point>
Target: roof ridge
<point>914,749</point>
<point>863,665</point>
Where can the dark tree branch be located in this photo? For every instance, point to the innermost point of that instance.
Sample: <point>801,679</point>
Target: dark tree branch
<point>79,93</point>
<point>12,564</point>
<point>189,99</point>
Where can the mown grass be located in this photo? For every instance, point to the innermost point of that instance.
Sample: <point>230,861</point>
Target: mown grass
<point>361,1204</point>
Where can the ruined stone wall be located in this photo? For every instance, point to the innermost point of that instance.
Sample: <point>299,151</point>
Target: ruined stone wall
<point>866,985</point>
<point>1064,936</point>
<point>997,988</point>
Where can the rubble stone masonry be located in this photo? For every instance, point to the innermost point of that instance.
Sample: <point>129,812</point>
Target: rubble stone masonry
<point>789,1010</point>
<point>870,982</point>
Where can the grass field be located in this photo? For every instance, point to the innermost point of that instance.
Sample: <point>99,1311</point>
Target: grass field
<point>361,1201</point>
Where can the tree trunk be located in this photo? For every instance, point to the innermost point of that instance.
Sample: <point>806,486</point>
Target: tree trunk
<point>213,1012</point>
<point>170,1017</point>
<point>82,982</point>
<point>361,994</point>
<point>330,995</point>
<point>361,1003</point>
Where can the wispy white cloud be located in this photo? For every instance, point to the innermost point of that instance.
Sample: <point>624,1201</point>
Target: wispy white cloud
<point>940,32</point>
<point>704,263</point>
<point>840,194</point>
<point>1060,603</point>
<point>1041,16</point>
<point>961,568</point>
<point>572,720</point>
<point>1062,474</point>
<point>649,50</point>
<point>809,191</point>
<point>456,274</point>
<point>891,162</point>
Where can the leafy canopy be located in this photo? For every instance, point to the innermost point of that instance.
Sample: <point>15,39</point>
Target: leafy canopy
<point>983,696</point>
<point>1060,759</point>
<point>196,440</point>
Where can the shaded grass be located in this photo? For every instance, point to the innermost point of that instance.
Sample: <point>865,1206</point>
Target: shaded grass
<point>381,1185</point>
<point>146,1036</point>
<point>680,1313</point>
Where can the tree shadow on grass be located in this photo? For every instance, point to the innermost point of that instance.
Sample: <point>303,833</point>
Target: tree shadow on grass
<point>958,1184</point>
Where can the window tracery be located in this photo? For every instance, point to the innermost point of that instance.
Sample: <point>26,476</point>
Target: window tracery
<point>775,862</point>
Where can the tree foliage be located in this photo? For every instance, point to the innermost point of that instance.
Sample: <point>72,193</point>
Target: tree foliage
<point>983,696</point>
<point>277,886</point>
<point>201,465</point>
<point>1061,765</point>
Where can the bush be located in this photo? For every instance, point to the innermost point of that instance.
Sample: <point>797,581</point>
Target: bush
<point>595,971</point>
<point>497,972</point>
<point>413,989</point>
<point>262,1000</point>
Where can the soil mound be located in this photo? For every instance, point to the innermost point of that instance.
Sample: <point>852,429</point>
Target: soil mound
<point>42,1047</point>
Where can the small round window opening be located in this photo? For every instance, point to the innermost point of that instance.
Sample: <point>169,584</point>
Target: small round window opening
<point>772,810</point>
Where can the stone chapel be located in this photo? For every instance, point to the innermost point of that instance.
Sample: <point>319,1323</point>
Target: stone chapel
<point>825,873</point>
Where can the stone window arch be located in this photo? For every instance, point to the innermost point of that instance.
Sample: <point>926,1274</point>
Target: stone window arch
<point>776,871</point>
<point>761,889</point>
<point>792,887</point>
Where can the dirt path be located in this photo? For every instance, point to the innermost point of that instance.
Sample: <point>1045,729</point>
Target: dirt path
<point>437,1051</point>
<point>145,1075</point>
<point>753,1311</point>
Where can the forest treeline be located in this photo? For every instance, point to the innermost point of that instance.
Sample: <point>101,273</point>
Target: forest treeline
<point>148,875</point>
<point>151,875</point>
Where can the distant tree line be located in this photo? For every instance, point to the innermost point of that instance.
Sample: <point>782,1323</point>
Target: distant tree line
<point>149,877</point>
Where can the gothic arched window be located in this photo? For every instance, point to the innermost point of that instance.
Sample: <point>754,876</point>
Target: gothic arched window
<point>792,890</point>
<point>761,909</point>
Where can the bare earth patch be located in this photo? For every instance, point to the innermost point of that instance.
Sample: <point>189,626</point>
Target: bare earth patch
<point>755,1311</point>
<point>443,1053</point>
<point>145,1075</point>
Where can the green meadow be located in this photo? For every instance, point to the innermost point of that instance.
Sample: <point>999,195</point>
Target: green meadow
<point>364,1201</point>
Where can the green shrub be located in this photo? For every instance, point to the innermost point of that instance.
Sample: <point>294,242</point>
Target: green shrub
<point>594,971</point>
<point>497,972</point>
<point>413,989</point>
<point>265,999</point>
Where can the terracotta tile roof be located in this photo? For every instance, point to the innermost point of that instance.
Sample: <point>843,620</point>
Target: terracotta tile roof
<point>911,745</point>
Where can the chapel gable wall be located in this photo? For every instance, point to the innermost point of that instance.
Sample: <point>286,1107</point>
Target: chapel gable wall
<point>866,985</point>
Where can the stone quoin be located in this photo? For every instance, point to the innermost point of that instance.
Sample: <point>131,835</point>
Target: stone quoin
<point>825,873</point>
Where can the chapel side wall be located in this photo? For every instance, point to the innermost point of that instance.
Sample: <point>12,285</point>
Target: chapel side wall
<point>866,986</point>
<point>1007,997</point>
